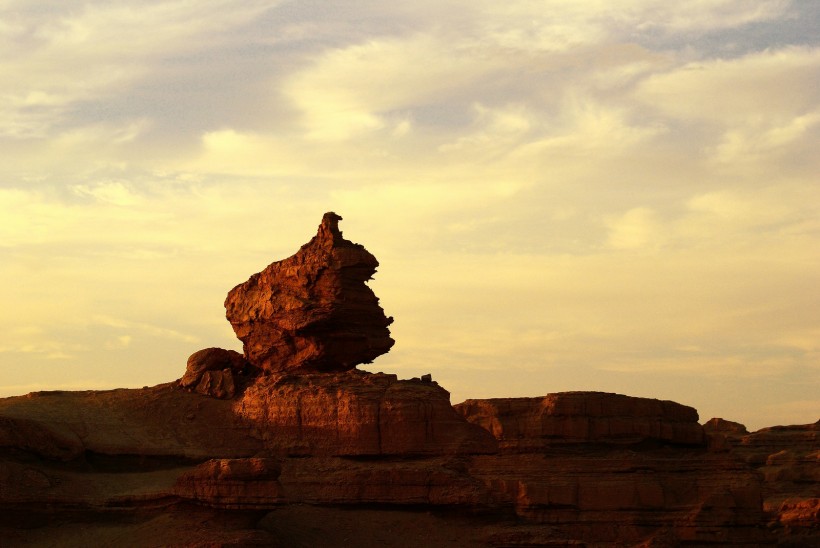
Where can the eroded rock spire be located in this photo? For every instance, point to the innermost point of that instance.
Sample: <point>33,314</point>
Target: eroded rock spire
<point>313,310</point>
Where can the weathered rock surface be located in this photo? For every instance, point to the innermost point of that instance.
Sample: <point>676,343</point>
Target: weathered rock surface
<point>215,372</point>
<point>353,440</point>
<point>723,426</point>
<point>161,421</point>
<point>358,414</point>
<point>720,432</point>
<point>622,497</point>
<point>532,424</point>
<point>232,483</point>
<point>788,457</point>
<point>313,310</point>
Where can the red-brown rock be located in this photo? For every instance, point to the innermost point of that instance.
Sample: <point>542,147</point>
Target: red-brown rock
<point>722,434</point>
<point>215,372</point>
<point>160,421</point>
<point>358,413</point>
<point>531,424</point>
<point>434,481</point>
<point>788,457</point>
<point>352,440</point>
<point>800,513</point>
<point>313,310</point>
<point>232,483</point>
<point>721,425</point>
<point>596,495</point>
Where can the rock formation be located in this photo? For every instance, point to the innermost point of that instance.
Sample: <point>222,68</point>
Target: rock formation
<point>524,424</point>
<point>215,372</point>
<point>73,465</point>
<point>312,310</point>
<point>788,457</point>
<point>290,445</point>
<point>360,414</point>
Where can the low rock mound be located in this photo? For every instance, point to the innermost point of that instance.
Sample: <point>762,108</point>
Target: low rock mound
<point>215,372</point>
<point>532,424</point>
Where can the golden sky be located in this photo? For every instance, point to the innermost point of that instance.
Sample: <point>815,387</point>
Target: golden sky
<point>563,194</point>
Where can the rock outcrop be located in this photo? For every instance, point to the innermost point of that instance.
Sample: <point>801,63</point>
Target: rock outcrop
<point>314,310</point>
<point>788,457</point>
<point>358,414</point>
<point>353,440</point>
<point>232,483</point>
<point>532,424</point>
<point>610,497</point>
<point>719,432</point>
<point>215,372</point>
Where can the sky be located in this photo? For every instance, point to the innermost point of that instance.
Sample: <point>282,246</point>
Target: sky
<point>563,194</point>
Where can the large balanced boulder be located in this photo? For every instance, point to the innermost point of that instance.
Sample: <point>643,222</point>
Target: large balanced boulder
<point>312,311</point>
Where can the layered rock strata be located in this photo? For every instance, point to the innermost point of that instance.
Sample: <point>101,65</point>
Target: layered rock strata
<point>314,310</point>
<point>531,424</point>
<point>358,414</point>
<point>609,497</point>
<point>788,457</point>
<point>288,442</point>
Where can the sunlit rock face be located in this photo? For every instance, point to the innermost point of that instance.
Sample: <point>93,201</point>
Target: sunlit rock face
<point>314,310</point>
<point>533,424</point>
<point>215,372</point>
<point>357,413</point>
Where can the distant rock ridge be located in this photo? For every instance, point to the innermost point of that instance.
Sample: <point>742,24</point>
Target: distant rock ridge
<point>533,424</point>
<point>312,311</point>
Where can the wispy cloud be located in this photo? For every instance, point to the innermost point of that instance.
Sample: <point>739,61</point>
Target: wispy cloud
<point>154,330</point>
<point>71,56</point>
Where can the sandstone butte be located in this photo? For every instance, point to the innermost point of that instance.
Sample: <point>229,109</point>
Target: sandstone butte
<point>289,445</point>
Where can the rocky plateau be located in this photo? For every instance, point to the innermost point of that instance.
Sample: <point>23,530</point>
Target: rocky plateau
<point>289,445</point>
